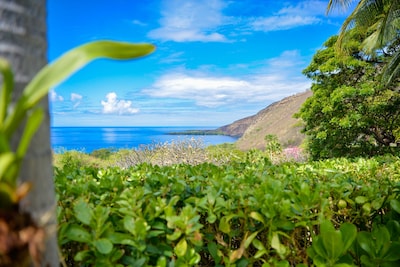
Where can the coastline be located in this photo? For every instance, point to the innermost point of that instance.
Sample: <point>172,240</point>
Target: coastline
<point>198,132</point>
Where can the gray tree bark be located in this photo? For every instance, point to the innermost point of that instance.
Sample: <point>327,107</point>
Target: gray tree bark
<point>23,42</point>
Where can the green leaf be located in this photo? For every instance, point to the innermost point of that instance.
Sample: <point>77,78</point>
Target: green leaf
<point>7,195</point>
<point>121,238</point>
<point>4,143</point>
<point>276,244</point>
<point>31,126</point>
<point>381,236</point>
<point>129,224</point>
<point>7,160</point>
<point>62,68</point>
<point>141,228</point>
<point>6,90</point>
<point>213,249</point>
<point>83,212</point>
<point>211,218</point>
<point>224,225</point>
<point>78,233</point>
<point>395,204</point>
<point>260,253</point>
<point>181,247</point>
<point>104,246</point>
<point>257,216</point>
<point>283,263</point>
<point>393,252</point>
<point>332,240</point>
<point>117,254</point>
<point>349,234</point>
<point>318,247</point>
<point>361,199</point>
<point>175,235</point>
<point>250,239</point>
<point>258,244</point>
<point>364,239</point>
<point>162,261</point>
<point>83,255</point>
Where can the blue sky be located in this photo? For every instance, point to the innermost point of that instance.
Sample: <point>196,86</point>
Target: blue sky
<point>216,61</point>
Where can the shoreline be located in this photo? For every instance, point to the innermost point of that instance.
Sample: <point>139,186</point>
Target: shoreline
<point>198,132</point>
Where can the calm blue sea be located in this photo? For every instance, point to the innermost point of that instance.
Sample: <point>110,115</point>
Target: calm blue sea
<point>87,139</point>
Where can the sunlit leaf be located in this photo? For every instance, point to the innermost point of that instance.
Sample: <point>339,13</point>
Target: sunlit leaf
<point>224,225</point>
<point>250,239</point>
<point>276,244</point>
<point>257,216</point>
<point>162,261</point>
<point>181,248</point>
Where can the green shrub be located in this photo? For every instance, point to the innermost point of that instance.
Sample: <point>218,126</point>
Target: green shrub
<point>248,212</point>
<point>102,153</point>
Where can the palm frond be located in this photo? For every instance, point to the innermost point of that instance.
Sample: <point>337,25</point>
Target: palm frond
<point>378,18</point>
<point>392,69</point>
<point>392,22</point>
<point>335,3</point>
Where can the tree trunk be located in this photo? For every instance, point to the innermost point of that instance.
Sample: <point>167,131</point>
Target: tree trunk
<point>23,42</point>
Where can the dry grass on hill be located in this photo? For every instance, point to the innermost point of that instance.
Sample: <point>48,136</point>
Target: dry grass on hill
<point>276,119</point>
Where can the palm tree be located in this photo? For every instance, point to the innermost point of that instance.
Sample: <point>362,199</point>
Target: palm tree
<point>24,45</point>
<point>380,19</point>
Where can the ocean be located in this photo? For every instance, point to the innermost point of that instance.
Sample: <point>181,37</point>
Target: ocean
<point>87,139</point>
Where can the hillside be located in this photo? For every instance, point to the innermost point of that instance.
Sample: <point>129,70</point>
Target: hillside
<point>275,119</point>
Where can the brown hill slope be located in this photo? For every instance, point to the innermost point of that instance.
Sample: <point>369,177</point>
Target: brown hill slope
<point>276,119</point>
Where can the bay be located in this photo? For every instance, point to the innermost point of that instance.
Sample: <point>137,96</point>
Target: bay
<point>87,139</point>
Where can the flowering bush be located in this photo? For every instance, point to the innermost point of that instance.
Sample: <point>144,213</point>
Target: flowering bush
<point>294,154</point>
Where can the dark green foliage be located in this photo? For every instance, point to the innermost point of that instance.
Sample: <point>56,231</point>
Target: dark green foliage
<point>350,112</point>
<point>103,153</point>
<point>247,213</point>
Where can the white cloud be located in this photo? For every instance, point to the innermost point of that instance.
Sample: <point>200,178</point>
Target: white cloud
<point>291,16</point>
<point>305,8</point>
<point>75,97</point>
<point>138,22</point>
<point>204,20</point>
<point>205,91</point>
<point>190,20</point>
<point>210,90</point>
<point>114,106</point>
<point>55,97</point>
<point>279,23</point>
<point>173,58</point>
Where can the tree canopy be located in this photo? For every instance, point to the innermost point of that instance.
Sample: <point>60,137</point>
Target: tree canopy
<point>351,112</point>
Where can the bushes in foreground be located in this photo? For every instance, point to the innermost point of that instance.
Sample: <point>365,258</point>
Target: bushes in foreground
<point>246,213</point>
